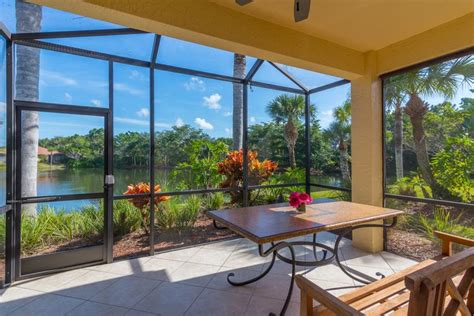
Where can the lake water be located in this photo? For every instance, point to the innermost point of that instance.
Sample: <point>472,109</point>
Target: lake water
<point>61,182</point>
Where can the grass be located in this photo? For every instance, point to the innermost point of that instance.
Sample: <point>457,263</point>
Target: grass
<point>41,166</point>
<point>331,194</point>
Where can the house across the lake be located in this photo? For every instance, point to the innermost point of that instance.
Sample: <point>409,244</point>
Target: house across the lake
<point>51,157</point>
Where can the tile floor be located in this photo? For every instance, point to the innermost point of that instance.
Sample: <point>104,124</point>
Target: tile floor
<point>189,281</point>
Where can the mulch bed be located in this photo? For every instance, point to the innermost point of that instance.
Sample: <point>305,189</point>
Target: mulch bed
<point>411,245</point>
<point>137,243</point>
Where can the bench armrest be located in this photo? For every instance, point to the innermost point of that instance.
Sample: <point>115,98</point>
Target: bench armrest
<point>310,291</point>
<point>447,241</point>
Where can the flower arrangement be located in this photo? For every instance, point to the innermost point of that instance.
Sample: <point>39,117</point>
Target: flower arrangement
<point>299,200</point>
<point>142,202</point>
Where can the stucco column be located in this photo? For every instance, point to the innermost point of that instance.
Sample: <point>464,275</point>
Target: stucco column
<point>367,150</point>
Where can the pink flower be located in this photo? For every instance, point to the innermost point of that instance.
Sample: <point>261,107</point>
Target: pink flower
<point>295,195</point>
<point>305,198</point>
<point>294,201</point>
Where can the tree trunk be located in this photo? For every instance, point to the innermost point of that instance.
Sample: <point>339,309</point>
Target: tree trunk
<point>398,140</point>
<point>28,19</point>
<point>240,63</point>
<point>344,163</point>
<point>416,110</point>
<point>291,135</point>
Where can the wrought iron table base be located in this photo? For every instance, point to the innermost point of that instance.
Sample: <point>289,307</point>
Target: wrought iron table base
<point>275,247</point>
<point>273,250</point>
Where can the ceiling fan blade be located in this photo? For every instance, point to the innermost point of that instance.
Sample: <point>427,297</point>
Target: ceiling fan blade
<point>301,9</point>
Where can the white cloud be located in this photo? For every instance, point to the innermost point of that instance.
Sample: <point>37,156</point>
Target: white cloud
<point>252,119</point>
<point>143,112</point>
<point>202,123</point>
<point>228,113</point>
<point>126,88</point>
<point>56,79</point>
<point>195,84</point>
<point>132,121</point>
<point>212,101</point>
<point>325,118</point>
<point>179,122</point>
<point>136,75</point>
<point>67,97</point>
<point>227,130</point>
<point>96,102</point>
<point>139,122</point>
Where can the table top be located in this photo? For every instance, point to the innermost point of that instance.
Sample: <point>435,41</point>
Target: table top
<point>266,223</point>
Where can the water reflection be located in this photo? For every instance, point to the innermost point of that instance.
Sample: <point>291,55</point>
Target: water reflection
<point>77,181</point>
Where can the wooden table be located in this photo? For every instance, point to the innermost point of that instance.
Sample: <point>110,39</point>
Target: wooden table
<point>278,222</point>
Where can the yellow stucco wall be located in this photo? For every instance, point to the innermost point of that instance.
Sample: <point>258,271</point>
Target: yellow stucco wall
<point>213,25</point>
<point>210,24</point>
<point>442,40</point>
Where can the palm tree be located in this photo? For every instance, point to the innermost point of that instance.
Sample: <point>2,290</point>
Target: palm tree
<point>240,63</point>
<point>340,131</point>
<point>28,19</point>
<point>394,98</point>
<point>442,79</point>
<point>288,109</point>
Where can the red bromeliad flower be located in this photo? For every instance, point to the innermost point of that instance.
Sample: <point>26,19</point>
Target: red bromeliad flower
<point>298,198</point>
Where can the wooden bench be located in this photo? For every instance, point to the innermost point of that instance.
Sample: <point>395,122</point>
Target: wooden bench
<point>443,287</point>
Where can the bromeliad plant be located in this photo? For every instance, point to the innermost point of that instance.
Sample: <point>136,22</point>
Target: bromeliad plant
<point>232,169</point>
<point>142,203</point>
<point>299,200</point>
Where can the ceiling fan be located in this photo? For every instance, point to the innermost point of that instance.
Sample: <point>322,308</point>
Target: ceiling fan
<point>300,11</point>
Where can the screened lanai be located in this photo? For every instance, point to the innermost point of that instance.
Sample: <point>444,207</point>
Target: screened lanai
<point>119,89</point>
<point>122,144</point>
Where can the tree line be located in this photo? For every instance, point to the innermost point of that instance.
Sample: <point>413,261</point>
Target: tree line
<point>280,140</point>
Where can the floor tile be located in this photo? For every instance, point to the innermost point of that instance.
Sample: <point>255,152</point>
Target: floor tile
<point>246,259</point>
<point>213,302</point>
<point>179,255</point>
<point>354,256</point>
<point>123,267</point>
<point>210,256</point>
<point>194,274</point>
<point>169,299</point>
<point>226,245</point>
<point>281,267</point>
<point>276,286</point>
<point>171,283</point>
<point>97,309</point>
<point>16,297</point>
<point>263,306</point>
<point>329,272</point>
<point>368,271</point>
<point>53,282</point>
<point>397,263</point>
<point>126,292</point>
<point>159,269</point>
<point>89,284</point>
<point>49,304</point>
<point>219,281</point>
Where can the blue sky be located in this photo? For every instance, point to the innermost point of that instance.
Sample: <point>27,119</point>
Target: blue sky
<point>179,99</point>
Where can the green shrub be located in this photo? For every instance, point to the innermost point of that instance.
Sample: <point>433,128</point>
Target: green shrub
<point>411,186</point>
<point>442,221</point>
<point>178,214</point>
<point>214,201</point>
<point>127,218</point>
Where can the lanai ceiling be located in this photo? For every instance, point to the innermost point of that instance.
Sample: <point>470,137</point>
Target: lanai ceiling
<point>362,25</point>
